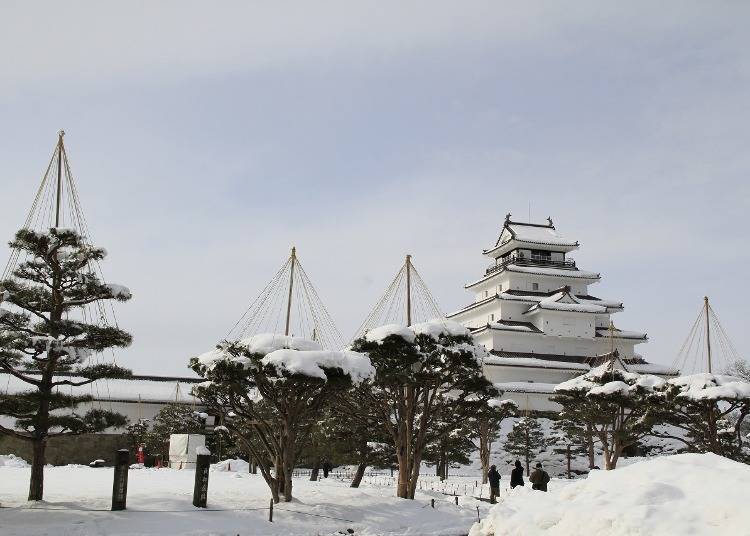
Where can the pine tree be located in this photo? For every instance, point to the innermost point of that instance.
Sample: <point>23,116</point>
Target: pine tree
<point>709,410</point>
<point>423,373</point>
<point>525,440</point>
<point>42,344</point>
<point>616,405</point>
<point>269,401</point>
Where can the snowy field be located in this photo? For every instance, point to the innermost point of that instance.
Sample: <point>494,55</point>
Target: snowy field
<point>686,494</point>
<point>78,499</point>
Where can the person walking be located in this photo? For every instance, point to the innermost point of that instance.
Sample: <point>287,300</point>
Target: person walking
<point>516,476</point>
<point>539,478</point>
<point>494,478</point>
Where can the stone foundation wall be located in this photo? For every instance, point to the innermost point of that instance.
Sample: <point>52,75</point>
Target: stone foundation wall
<point>63,450</point>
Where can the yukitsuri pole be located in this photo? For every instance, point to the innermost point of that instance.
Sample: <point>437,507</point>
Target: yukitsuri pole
<point>200,490</point>
<point>120,485</point>
<point>270,512</point>
<point>568,454</point>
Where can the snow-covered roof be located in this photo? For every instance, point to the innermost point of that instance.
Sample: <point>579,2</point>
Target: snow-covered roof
<point>565,301</point>
<point>539,270</point>
<point>538,234</point>
<point>143,388</point>
<point>620,334</point>
<point>508,325</point>
<point>516,234</point>
<point>535,297</point>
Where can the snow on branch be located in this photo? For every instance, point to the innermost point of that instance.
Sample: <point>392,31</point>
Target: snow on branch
<point>313,363</point>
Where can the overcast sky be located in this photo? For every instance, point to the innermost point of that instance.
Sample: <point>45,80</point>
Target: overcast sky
<point>208,138</point>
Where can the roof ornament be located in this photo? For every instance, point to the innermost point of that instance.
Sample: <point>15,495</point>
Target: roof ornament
<point>549,220</point>
<point>507,218</point>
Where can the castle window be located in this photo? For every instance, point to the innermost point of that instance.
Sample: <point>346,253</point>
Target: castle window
<point>535,286</point>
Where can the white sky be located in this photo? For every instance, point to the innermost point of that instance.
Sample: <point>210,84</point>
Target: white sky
<point>207,139</point>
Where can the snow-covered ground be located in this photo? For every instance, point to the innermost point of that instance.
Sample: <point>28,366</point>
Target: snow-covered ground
<point>696,494</point>
<point>78,499</point>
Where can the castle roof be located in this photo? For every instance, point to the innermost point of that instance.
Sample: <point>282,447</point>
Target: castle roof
<point>563,300</point>
<point>533,297</point>
<point>515,234</point>
<point>539,270</point>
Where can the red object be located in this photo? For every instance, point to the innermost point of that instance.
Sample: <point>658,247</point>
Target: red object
<point>140,456</point>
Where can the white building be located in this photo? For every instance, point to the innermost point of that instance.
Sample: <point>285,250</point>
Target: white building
<point>533,311</point>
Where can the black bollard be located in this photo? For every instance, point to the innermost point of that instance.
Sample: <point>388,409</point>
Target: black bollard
<point>456,500</point>
<point>120,485</point>
<point>270,512</point>
<point>200,490</point>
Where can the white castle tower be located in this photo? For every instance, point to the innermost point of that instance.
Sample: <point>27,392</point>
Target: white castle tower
<point>532,309</point>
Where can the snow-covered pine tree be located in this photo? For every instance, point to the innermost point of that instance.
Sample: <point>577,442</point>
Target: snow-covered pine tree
<point>45,342</point>
<point>710,409</point>
<point>615,404</point>
<point>274,387</point>
<point>422,371</point>
<point>525,440</point>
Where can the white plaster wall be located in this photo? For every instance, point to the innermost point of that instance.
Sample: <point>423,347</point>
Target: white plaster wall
<point>532,402</point>
<point>503,373</point>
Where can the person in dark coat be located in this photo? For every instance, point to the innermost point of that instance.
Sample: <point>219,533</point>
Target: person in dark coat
<point>539,478</point>
<point>494,478</point>
<point>516,476</point>
<point>327,466</point>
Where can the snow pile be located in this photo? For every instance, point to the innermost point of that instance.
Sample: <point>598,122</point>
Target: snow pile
<point>706,386</point>
<point>263,343</point>
<point>11,460</point>
<point>622,382</point>
<point>438,326</point>
<point>380,333</point>
<point>433,328</point>
<point>696,494</point>
<point>313,362</point>
<point>236,465</point>
<point>202,450</point>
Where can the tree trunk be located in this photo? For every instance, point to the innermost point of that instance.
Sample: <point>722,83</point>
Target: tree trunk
<point>484,448</point>
<point>315,470</point>
<point>36,485</point>
<point>590,446</point>
<point>526,453</point>
<point>402,489</point>
<point>442,464</point>
<point>358,475</point>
